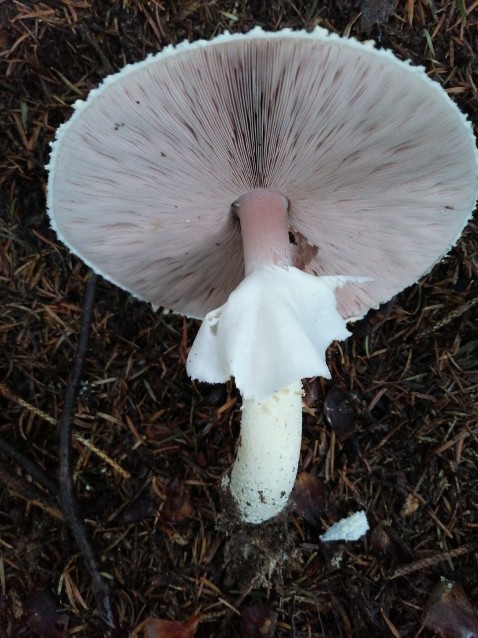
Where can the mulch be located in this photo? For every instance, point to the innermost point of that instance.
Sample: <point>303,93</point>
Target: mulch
<point>394,433</point>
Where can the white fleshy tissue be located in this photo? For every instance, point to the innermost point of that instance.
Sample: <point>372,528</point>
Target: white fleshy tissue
<point>273,330</point>
<point>347,529</point>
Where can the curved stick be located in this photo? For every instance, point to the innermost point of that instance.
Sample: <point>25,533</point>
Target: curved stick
<point>68,500</point>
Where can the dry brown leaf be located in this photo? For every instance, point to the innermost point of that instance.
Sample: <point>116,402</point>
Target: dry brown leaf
<point>258,621</point>
<point>313,501</point>
<point>379,539</point>
<point>156,628</point>
<point>340,413</point>
<point>177,505</point>
<point>449,612</point>
<point>410,506</point>
<point>42,615</point>
<point>310,497</point>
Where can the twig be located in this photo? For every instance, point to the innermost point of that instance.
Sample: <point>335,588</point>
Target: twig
<point>67,493</point>
<point>425,563</point>
<point>102,455</point>
<point>454,314</point>
<point>29,467</point>
<point>27,491</point>
<point>11,396</point>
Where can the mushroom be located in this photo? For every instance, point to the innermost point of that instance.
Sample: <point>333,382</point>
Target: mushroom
<point>182,177</point>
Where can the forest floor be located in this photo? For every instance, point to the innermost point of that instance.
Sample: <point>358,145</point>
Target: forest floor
<point>150,447</point>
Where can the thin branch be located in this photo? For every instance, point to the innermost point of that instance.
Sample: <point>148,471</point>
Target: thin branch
<point>29,466</point>
<point>67,493</point>
<point>30,493</point>
<point>426,563</point>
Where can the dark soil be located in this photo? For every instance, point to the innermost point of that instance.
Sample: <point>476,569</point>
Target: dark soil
<point>149,489</point>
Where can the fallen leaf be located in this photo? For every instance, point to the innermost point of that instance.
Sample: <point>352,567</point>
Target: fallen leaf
<point>156,628</point>
<point>141,509</point>
<point>42,615</point>
<point>316,564</point>
<point>450,613</point>
<point>310,497</point>
<point>339,413</point>
<point>410,506</point>
<point>379,539</point>
<point>177,504</point>
<point>258,621</point>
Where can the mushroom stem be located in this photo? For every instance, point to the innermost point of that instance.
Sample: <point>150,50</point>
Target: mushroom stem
<point>264,228</point>
<point>265,468</point>
<point>268,452</point>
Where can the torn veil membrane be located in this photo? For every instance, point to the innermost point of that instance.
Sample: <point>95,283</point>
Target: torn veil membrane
<point>273,330</point>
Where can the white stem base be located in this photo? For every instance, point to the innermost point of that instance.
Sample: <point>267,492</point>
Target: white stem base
<point>265,469</point>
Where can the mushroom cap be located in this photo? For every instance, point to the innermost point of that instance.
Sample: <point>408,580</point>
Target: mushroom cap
<point>379,165</point>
